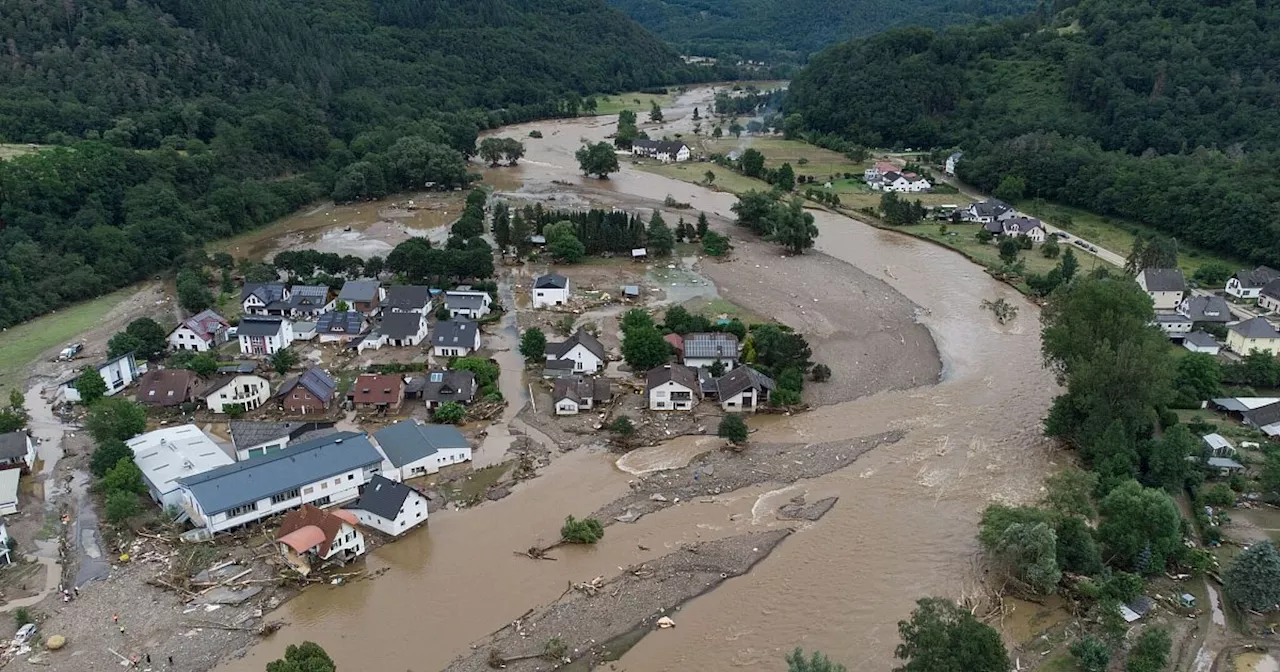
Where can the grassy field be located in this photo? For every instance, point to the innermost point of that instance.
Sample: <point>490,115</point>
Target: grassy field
<point>714,308</point>
<point>965,242</point>
<point>8,151</point>
<point>804,158</point>
<point>23,344</point>
<point>637,102</point>
<point>1117,235</point>
<point>726,180</point>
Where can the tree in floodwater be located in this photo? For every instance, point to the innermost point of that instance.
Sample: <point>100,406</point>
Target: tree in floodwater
<point>941,637</point>
<point>598,159</point>
<point>796,662</point>
<point>305,657</point>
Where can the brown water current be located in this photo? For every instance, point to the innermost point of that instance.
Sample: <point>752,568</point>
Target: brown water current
<point>903,528</point>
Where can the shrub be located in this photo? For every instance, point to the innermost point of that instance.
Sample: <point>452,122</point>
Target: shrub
<point>535,133</point>
<point>121,506</point>
<point>1220,494</point>
<point>22,616</point>
<point>106,455</point>
<point>1091,655</point>
<point>450,413</point>
<point>733,428</point>
<point>821,373</point>
<point>622,426</point>
<point>585,531</point>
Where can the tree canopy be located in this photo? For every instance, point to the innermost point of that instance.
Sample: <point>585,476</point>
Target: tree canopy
<point>1253,579</point>
<point>941,637</point>
<point>305,657</point>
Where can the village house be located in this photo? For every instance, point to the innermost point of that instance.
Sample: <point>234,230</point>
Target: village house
<point>17,450</point>
<point>415,449</point>
<point>310,537</point>
<point>256,296</point>
<point>377,392</point>
<point>443,386</point>
<point>167,388</point>
<point>1017,226</point>
<point>877,171</point>
<point>201,332</point>
<point>901,183</point>
<point>1165,286</point>
<point>672,387</point>
<point>665,151</point>
<point>986,212</point>
<point>1247,284</point>
<point>578,393</point>
<point>403,330</point>
<point>1269,296</point>
<point>950,167</point>
<point>1254,334</point>
<point>1218,446</point>
<point>251,438</point>
<point>743,390</point>
<point>550,290</point>
<point>582,348</point>
<point>339,327</point>
<point>168,455</point>
<point>225,390</point>
<point>1199,341</point>
<point>323,471</point>
<point>262,336</point>
<point>467,303</point>
<point>390,507</point>
<point>1212,309</point>
<point>705,349</point>
<point>455,338</point>
<point>9,479</point>
<point>308,393</point>
<point>363,296</point>
<point>1174,325</point>
<point>118,372</point>
<point>407,299</point>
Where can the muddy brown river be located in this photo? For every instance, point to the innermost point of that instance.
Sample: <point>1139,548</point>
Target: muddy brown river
<point>903,528</point>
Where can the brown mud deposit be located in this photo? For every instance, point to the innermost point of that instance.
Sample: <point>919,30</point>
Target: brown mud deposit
<point>725,471</point>
<point>598,611</point>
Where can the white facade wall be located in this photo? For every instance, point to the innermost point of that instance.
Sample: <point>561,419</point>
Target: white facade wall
<point>1165,300</point>
<point>432,463</point>
<point>745,401</point>
<point>543,298</point>
<point>250,390</point>
<point>730,363</point>
<point>271,344</point>
<point>661,397</point>
<point>1234,288</point>
<point>183,338</point>
<point>583,359</point>
<point>566,407</point>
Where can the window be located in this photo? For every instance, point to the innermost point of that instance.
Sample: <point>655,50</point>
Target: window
<point>322,501</point>
<point>286,496</point>
<point>307,491</point>
<point>351,477</point>
<point>337,481</point>
<point>241,510</point>
<point>324,486</point>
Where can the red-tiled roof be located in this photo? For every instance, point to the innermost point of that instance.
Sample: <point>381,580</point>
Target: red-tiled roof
<point>371,388</point>
<point>309,526</point>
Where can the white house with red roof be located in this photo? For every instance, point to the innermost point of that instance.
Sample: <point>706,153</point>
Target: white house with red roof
<point>201,332</point>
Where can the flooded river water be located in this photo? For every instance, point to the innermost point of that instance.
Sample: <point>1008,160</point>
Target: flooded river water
<point>903,528</point>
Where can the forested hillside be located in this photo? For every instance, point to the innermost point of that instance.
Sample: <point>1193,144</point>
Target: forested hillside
<point>1162,111</point>
<point>772,30</point>
<point>179,116</point>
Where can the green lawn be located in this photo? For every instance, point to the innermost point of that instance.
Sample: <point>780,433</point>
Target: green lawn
<point>1117,234</point>
<point>22,345</point>
<point>804,158</point>
<point>8,151</point>
<point>636,102</point>
<point>726,180</point>
<point>964,241</point>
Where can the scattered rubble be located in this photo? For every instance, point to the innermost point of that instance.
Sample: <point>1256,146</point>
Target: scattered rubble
<point>797,509</point>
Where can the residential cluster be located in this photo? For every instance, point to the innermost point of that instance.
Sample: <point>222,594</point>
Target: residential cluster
<point>1237,320</point>
<point>884,176</point>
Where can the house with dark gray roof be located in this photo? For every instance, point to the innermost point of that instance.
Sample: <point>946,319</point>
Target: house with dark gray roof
<point>1212,309</point>
<point>389,506</point>
<point>672,387</point>
<point>310,392</point>
<point>407,299</point>
<point>1269,296</point>
<point>455,338</point>
<point>1246,284</point>
<point>324,471</point>
<point>743,390</point>
<point>363,296</point>
<point>442,386</point>
<point>256,296</point>
<point>262,336</point>
<point>1199,341</point>
<point>704,349</point>
<point>582,348</point>
<point>339,327</point>
<point>252,438</point>
<point>17,449</point>
<point>985,212</point>
<point>573,394</point>
<point>1165,286</point>
<point>118,372</point>
<point>403,330</point>
<point>1255,334</point>
<point>662,150</point>
<point>466,303</point>
<point>415,449</point>
<point>549,290</point>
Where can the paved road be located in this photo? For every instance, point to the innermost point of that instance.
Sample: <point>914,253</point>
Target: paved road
<point>1066,236</point>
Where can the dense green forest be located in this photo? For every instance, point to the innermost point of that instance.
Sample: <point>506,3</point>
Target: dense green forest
<point>179,121</point>
<point>771,31</point>
<point>1162,111</point>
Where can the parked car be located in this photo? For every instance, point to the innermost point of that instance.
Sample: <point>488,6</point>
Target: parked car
<point>1079,242</point>
<point>1061,234</point>
<point>24,634</point>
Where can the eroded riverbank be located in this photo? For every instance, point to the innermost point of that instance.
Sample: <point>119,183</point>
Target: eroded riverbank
<point>905,522</point>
